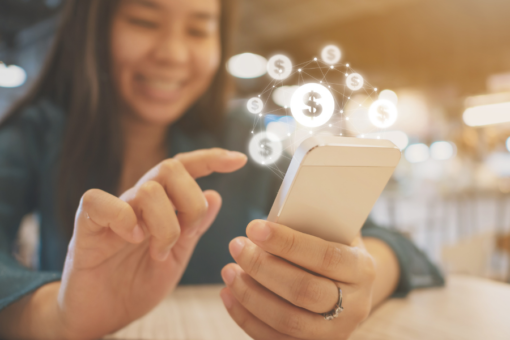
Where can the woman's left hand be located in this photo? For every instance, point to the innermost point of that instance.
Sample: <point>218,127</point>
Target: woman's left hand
<point>284,279</point>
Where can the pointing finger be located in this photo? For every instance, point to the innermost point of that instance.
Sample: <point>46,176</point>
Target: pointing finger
<point>201,163</point>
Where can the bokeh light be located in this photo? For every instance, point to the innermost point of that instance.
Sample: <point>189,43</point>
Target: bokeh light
<point>389,95</point>
<point>442,151</point>
<point>417,153</point>
<point>12,76</point>
<point>487,114</point>
<point>282,95</point>
<point>247,65</point>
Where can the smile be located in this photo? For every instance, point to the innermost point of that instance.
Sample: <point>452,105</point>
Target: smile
<point>160,88</point>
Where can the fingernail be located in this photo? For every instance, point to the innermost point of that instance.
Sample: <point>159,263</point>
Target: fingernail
<point>228,276</point>
<point>235,154</point>
<point>227,299</point>
<point>137,233</point>
<point>236,247</point>
<point>259,231</point>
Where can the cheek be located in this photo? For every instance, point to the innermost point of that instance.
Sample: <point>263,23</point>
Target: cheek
<point>127,50</point>
<point>208,61</point>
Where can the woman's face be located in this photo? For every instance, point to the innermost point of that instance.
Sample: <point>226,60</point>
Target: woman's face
<point>165,54</point>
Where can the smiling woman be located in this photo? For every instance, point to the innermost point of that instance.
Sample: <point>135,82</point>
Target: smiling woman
<point>110,147</point>
<point>159,59</point>
<point>147,36</point>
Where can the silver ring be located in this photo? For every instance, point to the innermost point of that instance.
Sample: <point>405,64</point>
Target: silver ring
<point>335,311</point>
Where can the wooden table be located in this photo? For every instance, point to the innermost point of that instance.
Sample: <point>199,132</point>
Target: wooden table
<point>467,308</point>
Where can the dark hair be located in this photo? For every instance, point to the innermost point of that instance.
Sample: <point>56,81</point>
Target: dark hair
<point>76,78</point>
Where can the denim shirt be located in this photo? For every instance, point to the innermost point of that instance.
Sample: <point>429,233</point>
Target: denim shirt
<point>30,145</point>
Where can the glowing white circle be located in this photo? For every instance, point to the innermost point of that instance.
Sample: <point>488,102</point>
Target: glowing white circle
<point>281,95</point>
<point>389,95</point>
<point>442,151</point>
<point>417,153</point>
<point>279,67</point>
<point>312,105</point>
<point>354,81</point>
<point>382,113</point>
<point>331,54</point>
<point>255,105</point>
<point>247,65</point>
<point>265,148</point>
<point>12,76</point>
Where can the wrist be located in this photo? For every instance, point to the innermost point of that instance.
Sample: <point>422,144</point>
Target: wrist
<point>35,316</point>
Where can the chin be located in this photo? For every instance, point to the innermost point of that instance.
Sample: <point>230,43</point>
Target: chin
<point>160,115</point>
<point>154,106</point>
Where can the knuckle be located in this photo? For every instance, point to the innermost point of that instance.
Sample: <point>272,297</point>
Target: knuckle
<point>171,234</point>
<point>308,293</point>
<point>170,166</point>
<point>125,214</point>
<point>245,297</point>
<point>332,259</point>
<point>292,325</point>
<point>254,263</point>
<point>148,189</point>
<point>289,244</point>
<point>200,209</point>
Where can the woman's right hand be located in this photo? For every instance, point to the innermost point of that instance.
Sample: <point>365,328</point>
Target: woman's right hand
<point>127,253</point>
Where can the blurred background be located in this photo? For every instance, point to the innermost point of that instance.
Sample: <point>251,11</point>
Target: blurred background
<point>448,65</point>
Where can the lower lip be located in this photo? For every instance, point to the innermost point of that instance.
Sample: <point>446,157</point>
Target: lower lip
<point>156,94</point>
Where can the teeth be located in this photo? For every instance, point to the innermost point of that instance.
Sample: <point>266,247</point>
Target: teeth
<point>163,85</point>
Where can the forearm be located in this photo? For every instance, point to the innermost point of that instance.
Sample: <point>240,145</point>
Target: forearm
<point>387,269</point>
<point>35,316</point>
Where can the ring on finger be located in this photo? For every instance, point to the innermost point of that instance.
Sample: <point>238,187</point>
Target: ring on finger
<point>332,314</point>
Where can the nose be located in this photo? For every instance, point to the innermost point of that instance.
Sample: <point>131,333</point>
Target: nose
<point>172,48</point>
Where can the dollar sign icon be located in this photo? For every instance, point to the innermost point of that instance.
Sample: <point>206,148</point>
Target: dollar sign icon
<point>355,81</point>
<point>315,108</point>
<point>382,114</point>
<point>255,105</point>
<point>265,148</point>
<point>279,66</point>
<point>331,54</point>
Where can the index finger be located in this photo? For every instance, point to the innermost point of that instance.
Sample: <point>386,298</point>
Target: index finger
<point>333,260</point>
<point>177,176</point>
<point>201,163</point>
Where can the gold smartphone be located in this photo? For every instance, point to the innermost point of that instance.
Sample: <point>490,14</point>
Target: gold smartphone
<point>332,184</point>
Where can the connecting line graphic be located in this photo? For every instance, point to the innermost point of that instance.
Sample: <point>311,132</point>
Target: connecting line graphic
<point>336,105</point>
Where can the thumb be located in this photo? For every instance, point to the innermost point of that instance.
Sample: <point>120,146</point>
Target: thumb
<point>189,238</point>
